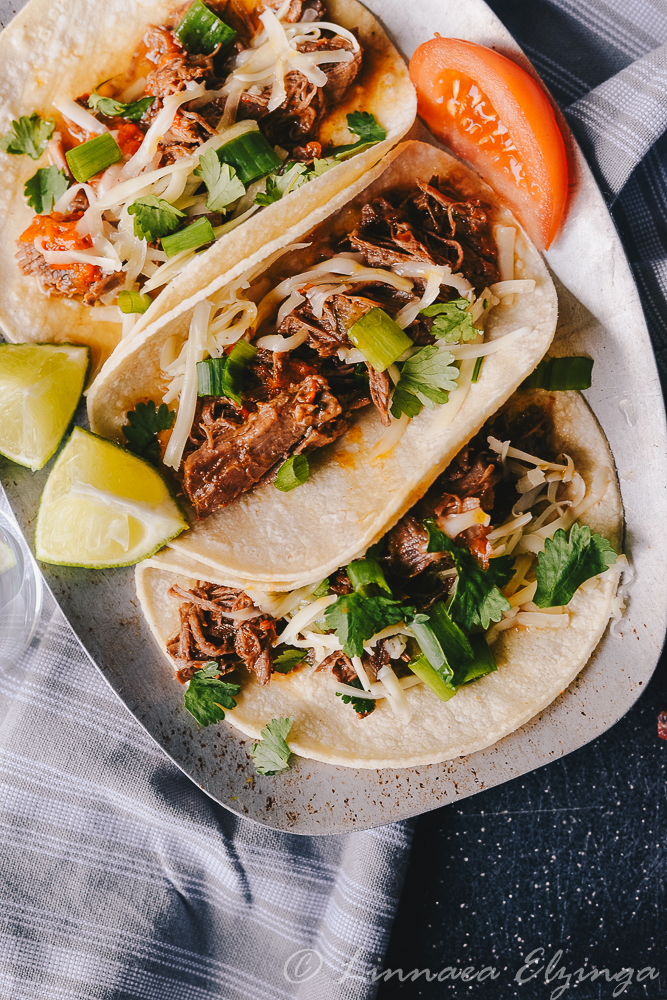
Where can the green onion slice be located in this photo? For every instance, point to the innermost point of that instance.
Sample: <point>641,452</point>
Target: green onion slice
<point>251,155</point>
<point>440,687</point>
<point>198,234</point>
<point>225,376</point>
<point>93,156</point>
<point>477,370</point>
<point>363,572</point>
<point>560,374</point>
<point>200,31</point>
<point>133,302</point>
<point>292,473</point>
<point>379,338</point>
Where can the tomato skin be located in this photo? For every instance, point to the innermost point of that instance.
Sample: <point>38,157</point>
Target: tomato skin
<point>526,163</point>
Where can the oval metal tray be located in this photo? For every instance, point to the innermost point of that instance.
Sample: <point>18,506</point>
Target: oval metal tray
<point>600,314</point>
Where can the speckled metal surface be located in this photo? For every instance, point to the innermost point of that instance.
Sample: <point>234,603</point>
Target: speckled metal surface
<point>598,307</point>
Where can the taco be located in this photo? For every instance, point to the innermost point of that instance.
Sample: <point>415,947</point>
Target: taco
<point>387,331</point>
<point>474,612</point>
<point>164,129</point>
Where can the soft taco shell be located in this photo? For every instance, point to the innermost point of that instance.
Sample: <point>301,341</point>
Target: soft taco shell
<point>533,667</point>
<point>285,540</point>
<point>55,48</point>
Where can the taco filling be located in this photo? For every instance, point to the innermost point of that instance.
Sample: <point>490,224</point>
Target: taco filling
<point>391,315</point>
<point>494,545</point>
<point>216,117</point>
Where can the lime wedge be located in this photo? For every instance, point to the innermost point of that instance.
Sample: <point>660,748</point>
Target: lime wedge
<point>103,506</point>
<point>40,385</point>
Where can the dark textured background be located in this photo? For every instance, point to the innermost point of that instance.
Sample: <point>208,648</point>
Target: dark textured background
<point>573,856</point>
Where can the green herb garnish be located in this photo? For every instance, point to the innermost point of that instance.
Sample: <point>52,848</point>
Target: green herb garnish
<point>452,321</point>
<point>29,136</point>
<point>225,376</point>
<point>154,218</point>
<point>133,302</point>
<point>367,128</point>
<point>286,661</point>
<point>196,235</point>
<point>560,374</point>
<point>223,186</point>
<point>207,696</point>
<point>44,189</point>
<point>144,424</point>
<point>567,562</point>
<point>271,754</point>
<point>112,108</point>
<point>379,338</point>
<point>251,155</point>
<point>426,378</point>
<point>279,185</point>
<point>356,618</point>
<point>362,706</point>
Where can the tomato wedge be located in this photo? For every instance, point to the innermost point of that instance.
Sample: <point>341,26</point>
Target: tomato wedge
<point>491,113</point>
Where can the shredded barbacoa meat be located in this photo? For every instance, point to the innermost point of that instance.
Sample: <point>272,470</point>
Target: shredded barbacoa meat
<point>290,126</point>
<point>206,633</point>
<point>303,399</point>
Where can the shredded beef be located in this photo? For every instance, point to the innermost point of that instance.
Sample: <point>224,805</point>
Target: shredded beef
<point>234,459</point>
<point>65,282</point>
<point>407,548</point>
<point>377,659</point>
<point>174,66</point>
<point>339,582</point>
<point>380,392</point>
<point>433,225</point>
<point>340,666</point>
<point>206,634</point>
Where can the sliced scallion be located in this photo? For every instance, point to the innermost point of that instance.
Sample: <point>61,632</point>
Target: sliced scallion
<point>133,302</point>
<point>198,234</point>
<point>225,376</point>
<point>453,640</point>
<point>251,155</point>
<point>477,370</point>
<point>93,156</point>
<point>440,687</point>
<point>292,473</point>
<point>560,374</point>
<point>200,31</point>
<point>379,338</point>
<point>363,572</point>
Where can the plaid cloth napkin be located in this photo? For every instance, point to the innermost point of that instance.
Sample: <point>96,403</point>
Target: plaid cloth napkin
<point>119,878</point>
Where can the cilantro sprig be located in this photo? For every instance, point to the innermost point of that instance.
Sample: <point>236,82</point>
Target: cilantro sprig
<point>112,108</point>
<point>144,423</point>
<point>44,188</point>
<point>28,135</point>
<point>452,322</point>
<point>207,696</point>
<point>362,706</point>
<point>223,186</point>
<point>290,658</point>
<point>478,600</point>
<point>567,562</point>
<point>426,378</point>
<point>154,218</point>
<point>271,754</point>
<point>355,618</point>
<point>279,185</point>
<point>367,128</point>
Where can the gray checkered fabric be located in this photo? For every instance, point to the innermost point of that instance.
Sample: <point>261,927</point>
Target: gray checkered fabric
<point>119,878</point>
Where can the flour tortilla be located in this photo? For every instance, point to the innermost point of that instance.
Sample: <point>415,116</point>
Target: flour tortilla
<point>287,539</point>
<point>533,667</point>
<point>53,47</point>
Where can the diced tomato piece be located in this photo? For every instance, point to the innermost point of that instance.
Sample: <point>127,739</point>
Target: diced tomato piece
<point>58,232</point>
<point>129,138</point>
<point>493,114</point>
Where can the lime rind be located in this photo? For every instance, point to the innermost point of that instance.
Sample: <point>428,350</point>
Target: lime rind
<point>167,512</point>
<point>76,353</point>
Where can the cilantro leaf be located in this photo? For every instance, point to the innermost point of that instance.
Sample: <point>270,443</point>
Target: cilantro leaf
<point>278,185</point>
<point>369,130</point>
<point>144,424</point>
<point>28,135</point>
<point>154,217</point>
<point>272,754</point>
<point>320,167</point>
<point>478,600</point>
<point>223,185</point>
<point>451,321</point>
<point>112,108</point>
<point>289,659</point>
<point>362,706</point>
<point>207,697</point>
<point>566,563</point>
<point>428,376</point>
<point>322,588</point>
<point>44,188</point>
<point>356,618</point>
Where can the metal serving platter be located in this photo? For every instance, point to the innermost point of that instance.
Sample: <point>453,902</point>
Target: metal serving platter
<point>600,315</point>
